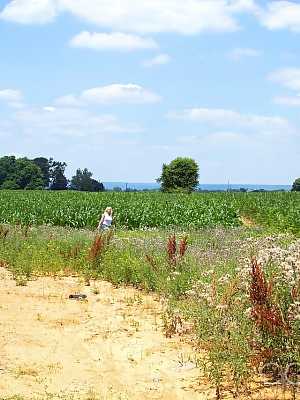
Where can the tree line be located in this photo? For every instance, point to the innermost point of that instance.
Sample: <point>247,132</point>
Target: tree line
<point>181,175</point>
<point>43,173</point>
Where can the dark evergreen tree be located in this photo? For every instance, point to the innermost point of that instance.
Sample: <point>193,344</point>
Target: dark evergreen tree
<point>97,186</point>
<point>58,181</point>
<point>296,185</point>
<point>83,181</point>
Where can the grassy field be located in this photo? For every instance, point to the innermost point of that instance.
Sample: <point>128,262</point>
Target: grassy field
<point>233,289</point>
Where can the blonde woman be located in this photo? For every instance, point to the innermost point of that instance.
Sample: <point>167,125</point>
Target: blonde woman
<point>106,219</point>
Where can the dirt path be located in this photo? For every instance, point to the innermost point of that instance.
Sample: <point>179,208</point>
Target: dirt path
<point>110,347</point>
<point>247,221</point>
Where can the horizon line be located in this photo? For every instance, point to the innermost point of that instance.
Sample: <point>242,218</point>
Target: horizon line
<point>202,183</point>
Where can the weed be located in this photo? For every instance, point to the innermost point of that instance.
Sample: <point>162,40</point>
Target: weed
<point>4,231</point>
<point>21,281</point>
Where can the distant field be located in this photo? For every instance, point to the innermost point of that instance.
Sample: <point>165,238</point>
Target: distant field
<point>280,211</point>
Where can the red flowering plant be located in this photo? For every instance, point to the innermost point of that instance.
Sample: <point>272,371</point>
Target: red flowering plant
<point>275,316</point>
<point>176,253</point>
<point>96,253</point>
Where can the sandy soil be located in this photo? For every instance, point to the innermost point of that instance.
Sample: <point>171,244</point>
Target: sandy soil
<point>110,347</point>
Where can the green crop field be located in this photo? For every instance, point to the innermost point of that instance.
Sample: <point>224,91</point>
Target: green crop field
<point>280,211</point>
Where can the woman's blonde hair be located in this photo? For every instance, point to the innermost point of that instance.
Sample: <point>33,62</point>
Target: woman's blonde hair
<point>108,209</point>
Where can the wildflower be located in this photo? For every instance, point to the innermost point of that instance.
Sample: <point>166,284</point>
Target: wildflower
<point>183,246</point>
<point>176,273</point>
<point>248,312</point>
<point>190,292</point>
<point>171,249</point>
<point>265,314</point>
<point>224,279</point>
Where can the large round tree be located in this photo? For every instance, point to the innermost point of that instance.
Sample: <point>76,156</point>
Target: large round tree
<point>181,174</point>
<point>296,185</point>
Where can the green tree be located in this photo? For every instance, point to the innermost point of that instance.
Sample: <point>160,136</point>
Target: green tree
<point>19,173</point>
<point>53,173</point>
<point>9,185</point>
<point>58,181</point>
<point>97,186</point>
<point>296,185</point>
<point>28,175</point>
<point>182,174</point>
<point>45,166</point>
<point>7,168</point>
<point>83,181</point>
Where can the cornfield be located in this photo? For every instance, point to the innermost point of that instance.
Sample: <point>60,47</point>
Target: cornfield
<point>150,210</point>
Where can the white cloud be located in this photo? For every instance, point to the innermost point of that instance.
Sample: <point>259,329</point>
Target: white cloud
<point>12,97</point>
<point>153,16</point>
<point>67,122</point>
<point>281,15</point>
<point>243,6</point>
<point>112,41</point>
<point>111,94</point>
<point>49,109</point>
<point>287,77</point>
<point>30,11</point>
<point>290,79</point>
<point>69,100</point>
<point>160,59</point>
<point>219,137</point>
<point>239,53</point>
<point>226,136</point>
<point>118,93</point>
<point>143,16</point>
<point>291,101</point>
<point>221,118</point>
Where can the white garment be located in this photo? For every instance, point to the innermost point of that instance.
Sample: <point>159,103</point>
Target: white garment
<point>107,220</point>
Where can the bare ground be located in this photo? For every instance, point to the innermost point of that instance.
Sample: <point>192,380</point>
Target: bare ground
<point>109,347</point>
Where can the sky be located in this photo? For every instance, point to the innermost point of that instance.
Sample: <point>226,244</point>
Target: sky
<point>122,86</point>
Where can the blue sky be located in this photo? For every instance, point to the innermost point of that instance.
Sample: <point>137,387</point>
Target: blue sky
<point>120,87</point>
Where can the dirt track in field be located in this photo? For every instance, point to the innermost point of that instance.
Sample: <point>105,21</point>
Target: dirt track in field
<point>110,347</point>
